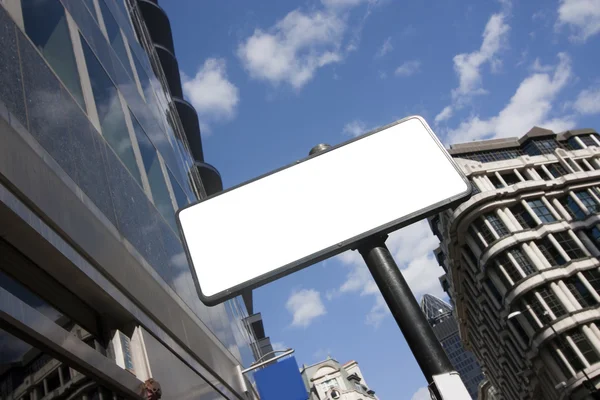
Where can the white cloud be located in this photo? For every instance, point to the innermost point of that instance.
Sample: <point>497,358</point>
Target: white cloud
<point>355,128</point>
<point>408,68</point>
<point>305,305</point>
<point>583,16</point>
<point>445,114</point>
<point>385,48</point>
<point>588,101</point>
<point>412,248</point>
<point>421,394</point>
<point>342,3</point>
<point>467,65</point>
<point>211,93</point>
<point>530,105</point>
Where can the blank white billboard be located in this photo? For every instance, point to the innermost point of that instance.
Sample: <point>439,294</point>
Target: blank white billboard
<point>315,208</point>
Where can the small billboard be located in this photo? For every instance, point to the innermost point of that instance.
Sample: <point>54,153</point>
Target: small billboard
<point>318,207</point>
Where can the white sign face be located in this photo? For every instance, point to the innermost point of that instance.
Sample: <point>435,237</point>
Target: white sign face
<point>318,207</point>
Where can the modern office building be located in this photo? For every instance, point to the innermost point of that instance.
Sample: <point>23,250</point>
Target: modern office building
<point>329,379</point>
<point>98,149</point>
<point>521,261</point>
<point>439,315</point>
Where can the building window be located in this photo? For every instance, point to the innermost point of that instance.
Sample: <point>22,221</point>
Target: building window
<point>593,277</point>
<point>510,269</point>
<point>510,178</point>
<point>482,227</point>
<point>584,346</point>
<point>476,189</point>
<point>114,36</point>
<point>180,196</point>
<point>495,181</point>
<point>552,302</point>
<point>580,292</point>
<point>556,170</point>
<point>550,252</point>
<point>572,207</point>
<point>569,245</point>
<point>497,224</point>
<point>330,384</point>
<point>523,261</point>
<point>492,155</point>
<point>535,147</point>
<point>572,144</point>
<point>589,202</point>
<point>522,216</point>
<point>588,140</point>
<point>540,171</point>
<point>534,306</point>
<point>110,112</point>
<point>540,209</point>
<point>156,178</point>
<point>46,25</point>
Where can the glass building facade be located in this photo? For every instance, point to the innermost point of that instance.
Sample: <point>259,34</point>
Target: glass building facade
<point>439,315</point>
<point>98,150</point>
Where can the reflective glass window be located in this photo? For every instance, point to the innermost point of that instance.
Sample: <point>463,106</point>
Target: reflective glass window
<point>572,144</point>
<point>510,269</point>
<point>556,169</point>
<point>114,36</point>
<point>572,207</point>
<point>584,346</point>
<point>46,25</point>
<point>523,261</point>
<point>580,291</point>
<point>540,209</point>
<point>589,202</point>
<point>588,140</point>
<point>593,277</point>
<point>550,252</point>
<point>90,5</point>
<point>553,303</point>
<point>569,245</point>
<point>110,112</point>
<point>160,193</point>
<point>497,224</point>
<point>522,216</point>
<point>180,196</point>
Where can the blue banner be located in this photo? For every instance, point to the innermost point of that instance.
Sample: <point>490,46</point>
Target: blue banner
<point>281,380</point>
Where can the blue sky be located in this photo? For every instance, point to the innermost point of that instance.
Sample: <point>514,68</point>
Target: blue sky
<point>271,79</point>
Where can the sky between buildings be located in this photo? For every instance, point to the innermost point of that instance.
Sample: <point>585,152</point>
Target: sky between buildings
<point>270,79</point>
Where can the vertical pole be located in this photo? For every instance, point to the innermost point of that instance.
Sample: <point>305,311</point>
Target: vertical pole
<point>419,335</point>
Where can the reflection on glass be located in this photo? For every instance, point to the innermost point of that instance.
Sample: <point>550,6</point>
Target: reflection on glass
<point>114,36</point>
<point>110,113</point>
<point>160,193</point>
<point>90,6</point>
<point>27,373</point>
<point>180,196</point>
<point>46,25</point>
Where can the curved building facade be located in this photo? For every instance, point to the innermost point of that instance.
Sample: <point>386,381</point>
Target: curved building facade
<point>521,262</point>
<point>98,150</point>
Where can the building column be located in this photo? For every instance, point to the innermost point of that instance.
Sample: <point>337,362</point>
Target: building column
<point>491,228</point>
<point>587,164</point>
<point>580,142</point>
<point>591,246</point>
<point>61,379</point>
<point>551,208</point>
<point>45,384</point>
<point>569,295</point>
<point>561,209</point>
<point>545,169</point>
<point>560,294</point>
<point>533,257</point>
<point>591,337</point>
<point>577,351</point>
<point>559,247</point>
<point>595,330</point>
<point>579,242</point>
<point>593,194</point>
<point>503,215</point>
<point>595,162</point>
<point>501,179</point>
<point>579,203</point>
<point>484,183</point>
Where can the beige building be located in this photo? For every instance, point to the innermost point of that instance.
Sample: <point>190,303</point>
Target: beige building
<point>329,379</point>
<point>521,261</point>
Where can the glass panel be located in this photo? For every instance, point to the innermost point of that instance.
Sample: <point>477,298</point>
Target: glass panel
<point>510,269</point>
<point>160,193</point>
<point>510,178</point>
<point>556,169</point>
<point>543,213</point>
<point>593,277</point>
<point>497,224</point>
<point>492,155</point>
<point>559,361</point>
<point>523,217</point>
<point>569,245</point>
<point>46,25</point>
<point>540,146</point>
<point>23,294</point>
<point>584,346</point>
<point>523,261</point>
<point>115,37</point>
<point>25,368</point>
<point>110,112</point>
<point>572,207</point>
<point>580,292</point>
<point>588,140</point>
<point>552,301</point>
<point>573,144</point>
<point>476,189</point>
<point>90,6</point>
<point>487,234</point>
<point>495,181</point>
<point>550,252</point>
<point>589,202</point>
<point>180,196</point>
